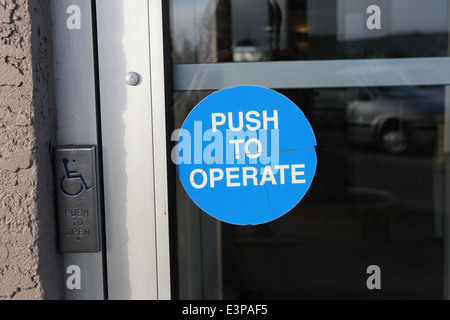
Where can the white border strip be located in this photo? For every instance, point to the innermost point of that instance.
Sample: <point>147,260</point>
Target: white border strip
<point>313,74</point>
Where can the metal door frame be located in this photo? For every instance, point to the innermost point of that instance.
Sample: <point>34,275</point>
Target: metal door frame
<point>96,106</point>
<point>130,39</point>
<point>74,67</point>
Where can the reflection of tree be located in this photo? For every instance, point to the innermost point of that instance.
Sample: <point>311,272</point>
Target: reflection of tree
<point>184,53</point>
<point>274,27</point>
<point>215,31</point>
<point>214,45</point>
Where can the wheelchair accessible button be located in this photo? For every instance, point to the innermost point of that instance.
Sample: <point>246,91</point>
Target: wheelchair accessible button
<point>78,210</point>
<point>72,183</point>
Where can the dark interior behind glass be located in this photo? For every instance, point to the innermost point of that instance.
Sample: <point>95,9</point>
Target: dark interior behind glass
<point>379,192</point>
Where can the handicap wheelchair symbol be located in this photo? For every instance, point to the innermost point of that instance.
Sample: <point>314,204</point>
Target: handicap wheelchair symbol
<point>67,185</point>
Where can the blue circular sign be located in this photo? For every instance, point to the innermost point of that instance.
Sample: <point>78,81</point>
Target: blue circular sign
<point>246,155</point>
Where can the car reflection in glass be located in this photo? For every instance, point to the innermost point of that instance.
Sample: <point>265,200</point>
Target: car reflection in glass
<point>395,119</point>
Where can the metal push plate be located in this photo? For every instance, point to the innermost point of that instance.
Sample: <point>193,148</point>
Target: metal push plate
<point>76,185</point>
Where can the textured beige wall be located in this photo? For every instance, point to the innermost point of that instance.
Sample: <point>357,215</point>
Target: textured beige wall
<point>29,262</point>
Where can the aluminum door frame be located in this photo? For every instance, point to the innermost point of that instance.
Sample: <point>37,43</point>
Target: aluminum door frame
<point>96,106</point>
<point>77,118</point>
<point>130,39</point>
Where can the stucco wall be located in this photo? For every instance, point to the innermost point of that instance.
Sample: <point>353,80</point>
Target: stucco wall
<point>29,262</point>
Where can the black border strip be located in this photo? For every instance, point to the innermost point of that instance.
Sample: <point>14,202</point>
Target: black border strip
<point>171,168</point>
<point>100,146</point>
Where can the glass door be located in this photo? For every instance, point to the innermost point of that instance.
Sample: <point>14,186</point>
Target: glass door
<point>372,82</point>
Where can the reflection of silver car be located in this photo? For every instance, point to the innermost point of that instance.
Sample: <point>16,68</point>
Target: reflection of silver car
<point>395,117</point>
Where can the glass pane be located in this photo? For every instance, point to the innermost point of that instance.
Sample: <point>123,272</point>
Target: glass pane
<point>379,192</point>
<point>207,31</point>
<point>377,199</point>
